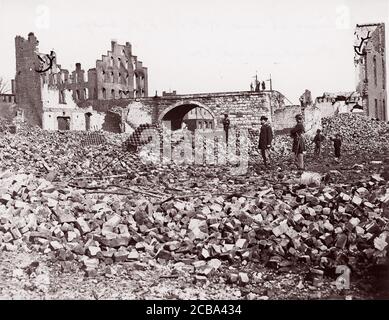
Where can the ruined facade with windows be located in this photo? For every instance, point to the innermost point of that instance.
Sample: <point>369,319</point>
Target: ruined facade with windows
<point>370,63</point>
<point>113,96</point>
<point>50,96</point>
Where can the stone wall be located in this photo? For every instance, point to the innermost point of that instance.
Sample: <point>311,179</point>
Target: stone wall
<point>52,109</point>
<point>369,48</point>
<point>27,80</point>
<point>244,108</point>
<point>120,74</point>
<point>284,119</point>
<point>312,120</point>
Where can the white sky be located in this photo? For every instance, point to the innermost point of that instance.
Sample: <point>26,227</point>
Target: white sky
<point>203,45</point>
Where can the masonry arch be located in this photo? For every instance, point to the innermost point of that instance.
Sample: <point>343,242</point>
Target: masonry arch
<point>173,116</point>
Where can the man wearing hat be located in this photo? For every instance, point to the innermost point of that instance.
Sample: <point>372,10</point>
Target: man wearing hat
<point>265,139</point>
<point>318,139</point>
<point>298,147</point>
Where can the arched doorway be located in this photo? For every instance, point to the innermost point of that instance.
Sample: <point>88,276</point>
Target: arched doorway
<point>63,123</point>
<point>193,113</point>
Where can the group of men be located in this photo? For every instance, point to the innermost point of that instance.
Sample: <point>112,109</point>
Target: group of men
<point>296,133</point>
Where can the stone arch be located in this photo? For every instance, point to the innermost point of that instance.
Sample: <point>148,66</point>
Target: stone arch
<point>181,108</point>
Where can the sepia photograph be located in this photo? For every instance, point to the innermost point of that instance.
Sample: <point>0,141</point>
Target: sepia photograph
<point>216,151</point>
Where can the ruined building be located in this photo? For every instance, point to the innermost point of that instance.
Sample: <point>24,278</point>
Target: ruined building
<point>198,118</point>
<point>370,63</point>
<point>50,96</point>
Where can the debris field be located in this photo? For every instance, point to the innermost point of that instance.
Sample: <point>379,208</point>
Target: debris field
<point>92,208</point>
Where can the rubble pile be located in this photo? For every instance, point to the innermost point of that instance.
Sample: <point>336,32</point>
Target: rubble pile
<point>280,226</point>
<point>358,132</point>
<point>93,205</point>
<point>62,154</point>
<point>4,125</point>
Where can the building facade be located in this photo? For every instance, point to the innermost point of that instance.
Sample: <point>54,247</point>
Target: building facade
<point>198,118</point>
<point>50,95</point>
<point>370,63</point>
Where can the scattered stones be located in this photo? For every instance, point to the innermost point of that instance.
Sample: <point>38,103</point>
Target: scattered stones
<point>289,220</point>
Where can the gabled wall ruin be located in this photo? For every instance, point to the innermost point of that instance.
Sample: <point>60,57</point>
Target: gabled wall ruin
<point>48,93</point>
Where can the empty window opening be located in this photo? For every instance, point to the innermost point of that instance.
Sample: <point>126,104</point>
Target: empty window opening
<point>376,108</point>
<point>375,70</point>
<point>62,96</point>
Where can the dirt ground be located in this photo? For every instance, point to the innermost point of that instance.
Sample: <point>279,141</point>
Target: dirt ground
<point>154,281</point>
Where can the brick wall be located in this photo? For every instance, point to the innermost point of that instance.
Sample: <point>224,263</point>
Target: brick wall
<point>27,80</point>
<point>371,69</point>
<point>119,74</point>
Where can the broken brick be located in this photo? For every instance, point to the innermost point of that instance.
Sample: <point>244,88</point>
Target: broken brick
<point>82,226</point>
<point>341,241</point>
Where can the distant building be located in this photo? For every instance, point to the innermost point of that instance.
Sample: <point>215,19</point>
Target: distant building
<point>198,118</point>
<point>370,63</point>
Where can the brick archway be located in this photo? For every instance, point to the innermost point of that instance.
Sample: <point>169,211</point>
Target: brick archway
<point>185,106</point>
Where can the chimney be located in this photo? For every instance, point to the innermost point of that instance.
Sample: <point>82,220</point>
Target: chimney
<point>113,44</point>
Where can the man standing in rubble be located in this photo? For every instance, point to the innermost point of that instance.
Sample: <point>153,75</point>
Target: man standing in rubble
<point>265,140</point>
<point>298,148</point>
<point>337,145</point>
<point>318,139</point>
<point>226,126</point>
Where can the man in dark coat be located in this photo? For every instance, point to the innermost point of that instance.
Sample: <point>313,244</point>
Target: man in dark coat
<point>265,139</point>
<point>337,144</point>
<point>298,147</point>
<point>318,139</point>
